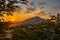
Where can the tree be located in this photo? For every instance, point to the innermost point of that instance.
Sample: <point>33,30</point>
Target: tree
<point>58,17</point>
<point>57,31</point>
<point>8,6</point>
<point>40,31</point>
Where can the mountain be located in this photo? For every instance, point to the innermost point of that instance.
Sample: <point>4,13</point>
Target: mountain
<point>33,20</point>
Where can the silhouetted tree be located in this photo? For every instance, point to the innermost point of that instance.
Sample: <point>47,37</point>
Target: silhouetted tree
<point>58,17</point>
<point>8,6</point>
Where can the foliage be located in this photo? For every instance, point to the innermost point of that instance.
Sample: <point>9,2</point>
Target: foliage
<point>3,25</point>
<point>8,6</point>
<point>47,30</point>
<point>41,31</point>
<point>57,31</point>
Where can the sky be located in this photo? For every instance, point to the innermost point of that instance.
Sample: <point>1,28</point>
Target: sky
<point>48,3</point>
<point>40,6</point>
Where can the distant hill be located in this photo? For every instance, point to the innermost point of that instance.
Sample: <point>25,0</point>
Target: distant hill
<point>33,20</point>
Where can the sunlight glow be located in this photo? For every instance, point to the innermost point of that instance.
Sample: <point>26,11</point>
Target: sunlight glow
<point>13,20</point>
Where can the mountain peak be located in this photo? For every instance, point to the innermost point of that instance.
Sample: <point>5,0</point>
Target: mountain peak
<point>34,20</point>
<point>35,17</point>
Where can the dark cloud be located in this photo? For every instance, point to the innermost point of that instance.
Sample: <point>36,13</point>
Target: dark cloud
<point>42,3</point>
<point>56,7</point>
<point>32,3</point>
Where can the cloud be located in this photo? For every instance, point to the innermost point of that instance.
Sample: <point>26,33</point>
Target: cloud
<point>54,10</point>
<point>40,12</point>
<point>56,7</point>
<point>42,3</point>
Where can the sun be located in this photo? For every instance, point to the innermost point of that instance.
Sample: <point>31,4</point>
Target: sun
<point>13,20</point>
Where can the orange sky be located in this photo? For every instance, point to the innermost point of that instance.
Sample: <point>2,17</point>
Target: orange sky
<point>18,17</point>
<point>22,15</point>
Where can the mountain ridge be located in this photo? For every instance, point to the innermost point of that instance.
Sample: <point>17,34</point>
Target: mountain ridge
<point>33,20</point>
